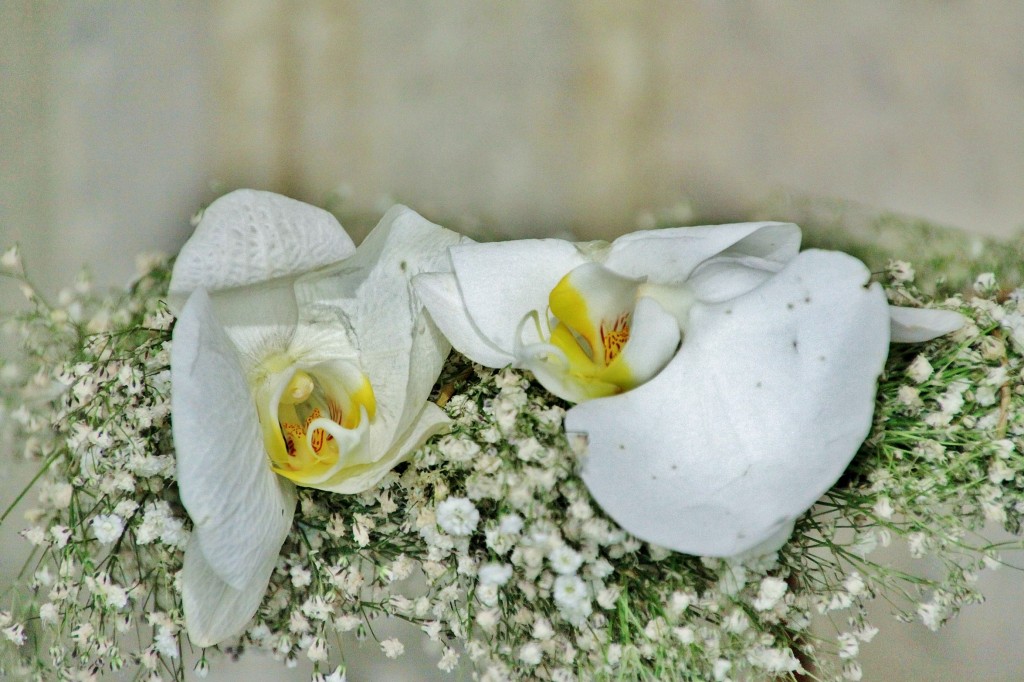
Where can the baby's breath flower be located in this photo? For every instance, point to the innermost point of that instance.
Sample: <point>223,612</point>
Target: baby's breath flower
<point>301,576</point>
<point>15,633</point>
<point>107,528</point>
<point>488,619</point>
<point>852,671</point>
<point>900,272</point>
<point>777,661</point>
<point>494,574</point>
<point>531,654</point>
<point>733,578</point>
<point>572,598</point>
<point>11,260</point>
<point>35,535</point>
<point>772,589</point>
<point>510,524</point>
<point>49,613</point>
<point>317,650</point>
<point>849,646</point>
<point>985,283</point>
<point>457,516</point>
<point>920,369</point>
<point>347,623</point>
<point>564,560</point>
<point>449,660</point>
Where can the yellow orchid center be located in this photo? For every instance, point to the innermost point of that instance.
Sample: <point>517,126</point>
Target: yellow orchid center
<point>313,419</point>
<point>606,333</point>
<point>592,331</point>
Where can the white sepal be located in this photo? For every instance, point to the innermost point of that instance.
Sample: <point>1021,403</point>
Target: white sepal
<point>249,236</point>
<point>225,480</point>
<point>724,277</point>
<point>759,413</point>
<point>916,325</point>
<point>214,610</point>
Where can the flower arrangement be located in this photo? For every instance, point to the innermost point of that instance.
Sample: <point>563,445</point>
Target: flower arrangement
<point>658,459</point>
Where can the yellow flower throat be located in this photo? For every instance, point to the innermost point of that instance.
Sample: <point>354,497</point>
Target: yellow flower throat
<point>299,438</point>
<point>298,408</point>
<point>592,342</point>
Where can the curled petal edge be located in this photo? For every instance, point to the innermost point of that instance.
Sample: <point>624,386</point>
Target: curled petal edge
<point>917,325</point>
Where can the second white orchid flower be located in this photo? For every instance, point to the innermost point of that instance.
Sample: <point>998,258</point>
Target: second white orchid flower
<point>725,380</point>
<point>296,360</point>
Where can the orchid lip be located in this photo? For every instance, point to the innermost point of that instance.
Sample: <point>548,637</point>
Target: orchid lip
<point>313,419</point>
<point>588,349</point>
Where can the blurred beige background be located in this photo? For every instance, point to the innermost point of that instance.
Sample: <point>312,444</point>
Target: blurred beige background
<point>118,119</point>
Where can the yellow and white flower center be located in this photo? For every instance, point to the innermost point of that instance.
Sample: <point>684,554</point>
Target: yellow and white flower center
<point>605,335</point>
<point>313,420</point>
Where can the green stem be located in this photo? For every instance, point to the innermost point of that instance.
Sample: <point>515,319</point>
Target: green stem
<point>42,470</point>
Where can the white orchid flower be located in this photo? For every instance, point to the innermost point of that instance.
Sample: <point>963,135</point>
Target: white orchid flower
<point>282,378</point>
<point>725,380</point>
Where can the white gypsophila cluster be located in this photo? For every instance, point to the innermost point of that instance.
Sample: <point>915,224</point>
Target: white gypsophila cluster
<point>487,539</point>
<point>88,396</point>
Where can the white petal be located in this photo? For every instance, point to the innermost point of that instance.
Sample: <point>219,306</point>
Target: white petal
<point>671,255</point>
<point>759,413</point>
<point>260,318</point>
<point>724,277</point>
<point>399,348</point>
<point>215,611</point>
<point>430,421</point>
<point>916,325</point>
<point>249,236</point>
<point>439,292</point>
<point>502,282</point>
<point>240,509</point>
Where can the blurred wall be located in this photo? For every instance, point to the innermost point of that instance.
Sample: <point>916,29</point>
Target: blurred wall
<point>118,119</point>
<point>590,112</point>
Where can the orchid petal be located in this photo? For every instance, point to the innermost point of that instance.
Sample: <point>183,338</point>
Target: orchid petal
<point>259,318</point>
<point>214,610</point>
<point>724,277</point>
<point>671,255</point>
<point>223,473</point>
<point>430,421</point>
<point>758,414</point>
<point>399,348</point>
<point>249,236</point>
<point>439,292</point>
<point>527,270</point>
<point>916,325</point>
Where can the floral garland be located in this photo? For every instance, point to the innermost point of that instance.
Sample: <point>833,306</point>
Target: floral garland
<point>522,575</point>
